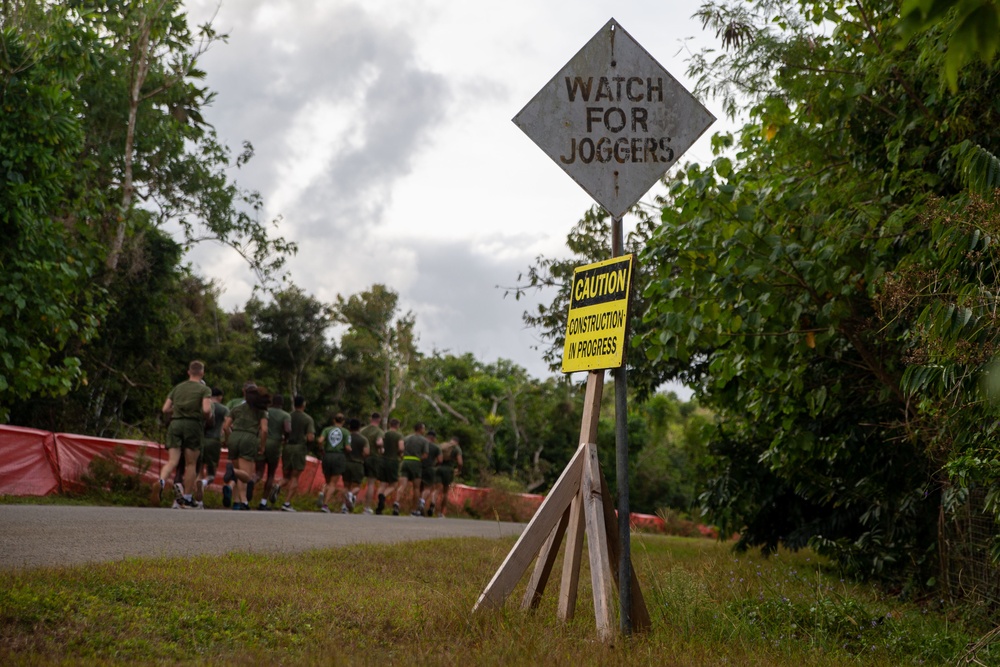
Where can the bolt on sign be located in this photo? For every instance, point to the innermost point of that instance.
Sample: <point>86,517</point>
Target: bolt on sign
<point>598,313</point>
<point>614,119</point>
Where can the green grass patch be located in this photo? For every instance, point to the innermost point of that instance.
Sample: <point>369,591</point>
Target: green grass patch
<point>384,604</point>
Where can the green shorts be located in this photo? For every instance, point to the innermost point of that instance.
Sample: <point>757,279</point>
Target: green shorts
<point>243,445</point>
<point>334,464</point>
<point>390,470</point>
<point>354,472</point>
<point>211,450</point>
<point>445,475</point>
<point>293,459</point>
<point>271,455</point>
<point>373,464</point>
<point>427,475</point>
<point>185,433</point>
<point>411,469</point>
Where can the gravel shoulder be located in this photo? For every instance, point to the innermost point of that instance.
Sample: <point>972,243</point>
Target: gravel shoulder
<point>52,535</point>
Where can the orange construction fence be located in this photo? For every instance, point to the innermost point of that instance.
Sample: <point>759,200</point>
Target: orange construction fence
<point>40,463</point>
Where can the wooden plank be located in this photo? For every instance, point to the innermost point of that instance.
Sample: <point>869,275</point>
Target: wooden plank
<point>597,545</point>
<point>543,565</point>
<point>640,614</point>
<point>592,407</point>
<point>571,561</point>
<point>534,535</point>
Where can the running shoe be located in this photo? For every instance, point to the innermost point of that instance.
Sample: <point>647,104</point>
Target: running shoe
<point>230,473</point>
<point>197,505</point>
<point>178,505</point>
<point>344,510</point>
<point>395,509</point>
<point>369,510</point>
<point>178,490</point>
<point>163,483</point>
<point>263,507</point>
<point>319,500</point>
<point>381,504</point>
<point>324,508</point>
<point>430,510</point>
<point>416,513</point>
<point>249,491</point>
<point>199,490</point>
<point>350,501</point>
<point>287,507</point>
<point>227,496</point>
<point>273,496</point>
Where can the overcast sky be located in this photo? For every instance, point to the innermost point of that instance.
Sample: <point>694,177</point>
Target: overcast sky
<point>384,140</point>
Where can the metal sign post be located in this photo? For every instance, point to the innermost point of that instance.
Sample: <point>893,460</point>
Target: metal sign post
<point>615,120</point>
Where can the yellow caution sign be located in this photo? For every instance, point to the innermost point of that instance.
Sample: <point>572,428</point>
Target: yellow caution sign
<point>598,315</point>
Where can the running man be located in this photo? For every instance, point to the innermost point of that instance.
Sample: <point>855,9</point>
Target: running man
<point>356,451</point>
<point>211,446</point>
<point>393,443</point>
<point>415,449</point>
<point>451,465</point>
<point>375,460</point>
<point>189,406</point>
<point>279,425</point>
<point>428,472</point>
<point>245,434</point>
<point>293,456</point>
<point>332,441</point>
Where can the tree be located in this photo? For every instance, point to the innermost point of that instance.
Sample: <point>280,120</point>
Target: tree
<point>50,303</point>
<point>379,344</point>
<point>104,146</point>
<point>291,336</point>
<point>779,267</point>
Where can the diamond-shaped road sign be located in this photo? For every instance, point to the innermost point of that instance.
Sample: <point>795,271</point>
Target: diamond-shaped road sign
<point>614,119</point>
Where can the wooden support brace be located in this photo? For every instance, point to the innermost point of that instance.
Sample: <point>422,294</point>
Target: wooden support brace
<point>571,561</point>
<point>543,566</point>
<point>640,614</point>
<point>534,535</point>
<point>597,545</point>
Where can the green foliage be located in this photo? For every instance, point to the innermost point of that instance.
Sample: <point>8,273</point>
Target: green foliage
<point>826,287</point>
<point>972,29</point>
<point>49,302</point>
<point>291,337</point>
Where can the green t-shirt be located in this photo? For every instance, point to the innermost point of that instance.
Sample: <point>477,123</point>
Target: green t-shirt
<point>334,438</point>
<point>450,455</point>
<point>373,434</point>
<point>219,413</point>
<point>415,445</point>
<point>276,420</point>
<point>246,419</point>
<point>391,440</point>
<point>186,399</point>
<point>358,443</point>
<point>302,426</point>
<point>433,450</point>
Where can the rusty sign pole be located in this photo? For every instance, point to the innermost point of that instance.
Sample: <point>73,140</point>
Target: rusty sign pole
<point>621,461</point>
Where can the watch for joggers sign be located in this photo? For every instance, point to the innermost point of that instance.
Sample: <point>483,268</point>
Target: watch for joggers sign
<point>614,119</point>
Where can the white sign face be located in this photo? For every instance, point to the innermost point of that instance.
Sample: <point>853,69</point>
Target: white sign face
<point>614,119</point>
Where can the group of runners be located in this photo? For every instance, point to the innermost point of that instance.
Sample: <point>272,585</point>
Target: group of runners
<point>414,471</point>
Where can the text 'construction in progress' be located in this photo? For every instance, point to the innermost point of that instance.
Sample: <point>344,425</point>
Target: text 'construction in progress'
<point>598,315</point>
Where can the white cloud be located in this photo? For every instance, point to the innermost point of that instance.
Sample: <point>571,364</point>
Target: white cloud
<point>383,140</point>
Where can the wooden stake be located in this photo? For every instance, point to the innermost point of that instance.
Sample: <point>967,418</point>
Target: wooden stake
<point>543,566</point>
<point>597,544</point>
<point>571,561</point>
<point>534,535</point>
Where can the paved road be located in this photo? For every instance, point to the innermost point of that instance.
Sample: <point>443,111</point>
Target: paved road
<point>41,535</point>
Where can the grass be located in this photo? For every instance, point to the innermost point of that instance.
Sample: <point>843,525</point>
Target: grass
<point>411,603</point>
